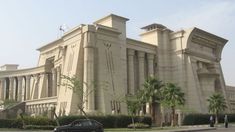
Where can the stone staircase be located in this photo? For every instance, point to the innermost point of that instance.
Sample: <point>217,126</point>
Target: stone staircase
<point>12,111</point>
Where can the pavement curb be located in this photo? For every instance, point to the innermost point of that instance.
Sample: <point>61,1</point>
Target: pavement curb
<point>194,129</point>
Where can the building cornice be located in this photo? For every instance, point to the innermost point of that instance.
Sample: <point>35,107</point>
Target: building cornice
<point>22,72</point>
<point>107,30</point>
<point>207,39</point>
<point>112,16</point>
<point>51,44</point>
<point>141,46</point>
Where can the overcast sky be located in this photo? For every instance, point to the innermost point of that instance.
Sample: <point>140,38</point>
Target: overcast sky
<point>26,25</point>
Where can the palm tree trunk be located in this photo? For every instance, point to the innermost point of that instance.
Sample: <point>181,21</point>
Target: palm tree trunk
<point>216,118</point>
<point>153,112</point>
<point>173,116</point>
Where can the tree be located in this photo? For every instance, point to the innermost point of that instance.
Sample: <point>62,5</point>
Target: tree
<point>173,97</point>
<point>151,93</point>
<point>133,106</point>
<point>76,86</point>
<point>217,104</point>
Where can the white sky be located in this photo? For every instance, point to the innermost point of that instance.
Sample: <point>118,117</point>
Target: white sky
<point>26,25</point>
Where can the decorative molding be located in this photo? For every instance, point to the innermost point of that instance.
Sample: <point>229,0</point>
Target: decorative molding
<point>210,36</point>
<point>141,46</point>
<point>204,41</point>
<point>23,72</point>
<point>107,44</point>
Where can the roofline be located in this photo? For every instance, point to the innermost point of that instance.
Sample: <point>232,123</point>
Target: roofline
<point>110,15</point>
<point>61,38</point>
<point>210,34</point>
<point>49,44</point>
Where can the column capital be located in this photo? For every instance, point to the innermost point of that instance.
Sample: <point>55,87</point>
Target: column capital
<point>150,56</point>
<point>36,75</point>
<point>58,68</point>
<point>131,52</point>
<point>2,80</point>
<point>28,77</point>
<point>54,70</point>
<point>141,54</point>
<point>11,78</point>
<point>19,77</point>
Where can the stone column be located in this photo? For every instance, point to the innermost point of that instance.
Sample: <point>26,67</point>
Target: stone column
<point>15,86</point>
<point>2,89</point>
<point>20,90</point>
<point>54,82</point>
<point>58,80</point>
<point>150,58</point>
<point>141,56</point>
<point>11,88</point>
<point>28,87</point>
<point>131,76</point>
<point>46,85</point>
<point>88,75</point>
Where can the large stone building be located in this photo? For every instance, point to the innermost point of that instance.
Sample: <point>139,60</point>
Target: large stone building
<point>102,53</point>
<point>230,93</point>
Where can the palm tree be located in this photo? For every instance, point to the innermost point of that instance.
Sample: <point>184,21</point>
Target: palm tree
<point>217,104</point>
<point>173,97</point>
<point>133,105</point>
<point>151,93</point>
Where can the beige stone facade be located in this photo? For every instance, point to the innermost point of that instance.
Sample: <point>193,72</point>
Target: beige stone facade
<point>230,92</point>
<point>102,53</point>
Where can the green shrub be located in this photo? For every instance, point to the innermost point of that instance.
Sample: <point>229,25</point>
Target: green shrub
<point>34,121</point>
<point>146,120</point>
<point>109,121</point>
<point>44,127</point>
<point>6,123</point>
<point>138,125</point>
<point>198,119</point>
<point>38,121</point>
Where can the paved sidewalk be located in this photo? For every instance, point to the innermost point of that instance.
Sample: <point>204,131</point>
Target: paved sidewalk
<point>196,128</point>
<point>189,129</point>
<point>176,129</point>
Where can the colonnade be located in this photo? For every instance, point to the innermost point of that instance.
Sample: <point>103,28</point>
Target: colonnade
<point>138,70</point>
<point>26,87</point>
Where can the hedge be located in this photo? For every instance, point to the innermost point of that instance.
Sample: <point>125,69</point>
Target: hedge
<point>44,127</point>
<point>119,121</point>
<point>199,119</point>
<point>6,123</point>
<point>39,121</point>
